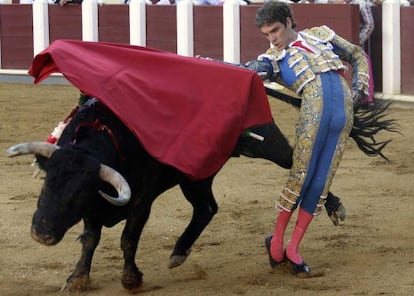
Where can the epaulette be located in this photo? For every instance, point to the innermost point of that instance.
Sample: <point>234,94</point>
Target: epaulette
<point>322,34</point>
<point>273,54</point>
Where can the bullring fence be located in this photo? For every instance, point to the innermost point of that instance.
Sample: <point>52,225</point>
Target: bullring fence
<point>222,32</point>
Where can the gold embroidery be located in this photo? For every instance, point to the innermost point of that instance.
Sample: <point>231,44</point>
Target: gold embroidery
<point>305,67</point>
<point>324,59</point>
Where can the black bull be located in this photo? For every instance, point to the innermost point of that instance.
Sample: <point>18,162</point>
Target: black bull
<point>78,170</point>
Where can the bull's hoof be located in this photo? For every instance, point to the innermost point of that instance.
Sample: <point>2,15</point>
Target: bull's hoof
<point>176,260</point>
<point>341,212</point>
<point>132,280</point>
<point>74,285</point>
<point>338,214</point>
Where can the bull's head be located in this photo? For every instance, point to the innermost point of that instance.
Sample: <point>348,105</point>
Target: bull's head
<point>72,181</point>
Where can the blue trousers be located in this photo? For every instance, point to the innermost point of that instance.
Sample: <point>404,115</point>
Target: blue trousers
<point>325,121</point>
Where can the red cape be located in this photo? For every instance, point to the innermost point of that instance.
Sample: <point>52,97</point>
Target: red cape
<point>186,112</point>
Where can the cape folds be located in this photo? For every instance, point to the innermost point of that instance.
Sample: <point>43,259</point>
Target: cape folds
<point>186,112</point>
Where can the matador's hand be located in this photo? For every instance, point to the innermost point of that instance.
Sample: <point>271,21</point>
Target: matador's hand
<point>358,97</point>
<point>263,68</point>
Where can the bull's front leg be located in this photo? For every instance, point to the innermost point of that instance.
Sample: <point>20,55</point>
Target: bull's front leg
<point>336,211</point>
<point>79,279</point>
<point>200,195</point>
<point>131,275</point>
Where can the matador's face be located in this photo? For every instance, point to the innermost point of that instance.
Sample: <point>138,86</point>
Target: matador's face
<point>279,34</point>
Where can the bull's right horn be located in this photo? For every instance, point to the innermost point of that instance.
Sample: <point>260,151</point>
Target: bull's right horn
<point>41,148</point>
<point>114,178</point>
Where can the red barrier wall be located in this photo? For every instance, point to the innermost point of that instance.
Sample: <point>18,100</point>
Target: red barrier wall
<point>407,47</point>
<point>344,19</point>
<point>113,23</point>
<point>208,31</point>
<point>162,27</point>
<point>66,22</point>
<point>16,35</point>
<point>252,43</point>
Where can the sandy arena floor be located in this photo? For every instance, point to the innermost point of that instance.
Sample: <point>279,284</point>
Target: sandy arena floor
<point>371,253</point>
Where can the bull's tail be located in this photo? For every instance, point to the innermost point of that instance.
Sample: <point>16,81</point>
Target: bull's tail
<point>367,123</point>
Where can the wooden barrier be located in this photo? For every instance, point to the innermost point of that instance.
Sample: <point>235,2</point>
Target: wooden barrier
<point>407,47</point>
<point>161,27</point>
<point>16,36</point>
<point>160,30</point>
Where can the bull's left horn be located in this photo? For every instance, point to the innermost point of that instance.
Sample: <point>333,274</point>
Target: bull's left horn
<point>41,148</point>
<point>114,178</point>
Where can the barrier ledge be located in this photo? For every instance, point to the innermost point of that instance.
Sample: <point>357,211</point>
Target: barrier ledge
<point>401,100</point>
<point>21,76</point>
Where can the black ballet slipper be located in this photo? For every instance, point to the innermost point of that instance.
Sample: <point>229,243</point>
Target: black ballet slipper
<point>273,263</point>
<point>301,270</point>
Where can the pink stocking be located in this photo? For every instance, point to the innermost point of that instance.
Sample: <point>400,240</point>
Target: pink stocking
<point>370,98</point>
<point>304,219</point>
<point>276,245</point>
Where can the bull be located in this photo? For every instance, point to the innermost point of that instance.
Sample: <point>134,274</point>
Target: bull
<point>99,172</point>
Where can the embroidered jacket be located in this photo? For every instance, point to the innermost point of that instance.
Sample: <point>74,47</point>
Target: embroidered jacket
<point>295,68</point>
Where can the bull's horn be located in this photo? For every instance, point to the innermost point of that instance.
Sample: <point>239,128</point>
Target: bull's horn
<point>41,148</point>
<point>114,178</point>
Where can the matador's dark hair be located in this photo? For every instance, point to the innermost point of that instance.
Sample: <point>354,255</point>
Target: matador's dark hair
<point>272,12</point>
